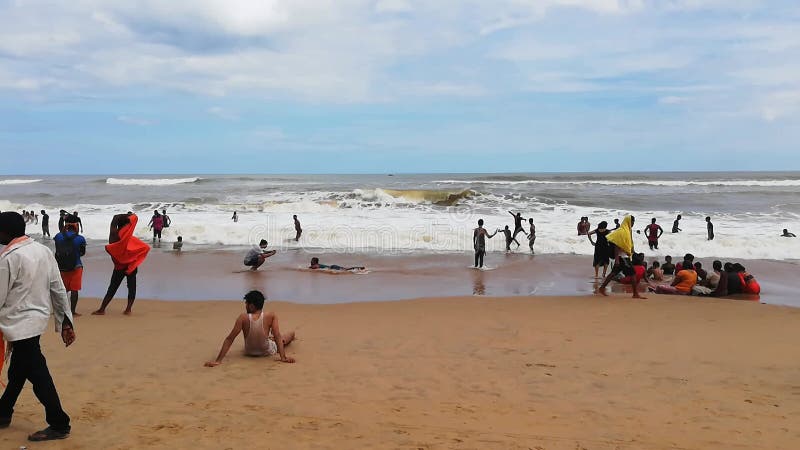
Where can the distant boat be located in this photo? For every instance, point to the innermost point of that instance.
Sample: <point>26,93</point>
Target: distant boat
<point>391,175</point>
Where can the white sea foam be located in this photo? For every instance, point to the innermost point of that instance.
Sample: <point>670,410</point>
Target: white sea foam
<point>12,181</point>
<point>150,181</point>
<point>673,183</point>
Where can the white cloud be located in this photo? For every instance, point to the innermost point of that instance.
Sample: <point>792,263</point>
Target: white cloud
<point>222,113</point>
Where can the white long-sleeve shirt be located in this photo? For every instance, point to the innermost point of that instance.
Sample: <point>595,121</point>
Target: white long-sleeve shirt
<point>30,290</point>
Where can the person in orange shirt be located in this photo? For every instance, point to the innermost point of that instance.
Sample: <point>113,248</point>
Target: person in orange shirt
<point>682,284</point>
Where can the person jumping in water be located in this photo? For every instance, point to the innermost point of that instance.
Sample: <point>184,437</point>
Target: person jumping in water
<point>653,232</point>
<point>518,223</point>
<point>479,236</point>
<point>316,265</point>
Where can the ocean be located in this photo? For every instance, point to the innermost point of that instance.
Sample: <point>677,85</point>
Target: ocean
<point>432,212</point>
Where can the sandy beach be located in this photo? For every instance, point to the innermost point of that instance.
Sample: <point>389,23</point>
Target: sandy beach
<point>463,373</point>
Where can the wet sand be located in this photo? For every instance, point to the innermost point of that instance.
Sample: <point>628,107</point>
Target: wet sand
<point>457,373</point>
<point>208,275</point>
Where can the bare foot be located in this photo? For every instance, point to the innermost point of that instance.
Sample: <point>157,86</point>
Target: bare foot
<point>99,313</point>
<point>640,297</point>
<point>127,312</point>
<point>601,292</point>
<point>74,314</point>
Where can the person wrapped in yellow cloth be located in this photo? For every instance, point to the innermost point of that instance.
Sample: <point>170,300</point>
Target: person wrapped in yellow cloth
<point>621,243</point>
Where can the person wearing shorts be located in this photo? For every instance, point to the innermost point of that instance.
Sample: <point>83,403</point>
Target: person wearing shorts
<point>72,278</point>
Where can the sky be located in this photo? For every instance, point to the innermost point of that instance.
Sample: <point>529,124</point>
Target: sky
<point>375,86</point>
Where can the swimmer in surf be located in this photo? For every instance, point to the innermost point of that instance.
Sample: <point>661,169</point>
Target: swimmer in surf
<point>316,265</point>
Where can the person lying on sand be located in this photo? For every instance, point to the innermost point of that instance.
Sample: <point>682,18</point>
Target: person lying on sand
<point>262,336</point>
<point>316,265</point>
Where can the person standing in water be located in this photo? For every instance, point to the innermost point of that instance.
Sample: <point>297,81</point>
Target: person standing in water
<point>78,219</point>
<point>297,228</point>
<point>45,224</point>
<point>602,251</point>
<point>653,232</point>
<point>675,224</point>
<point>517,223</point>
<point>710,229</point>
<point>235,217</point>
<point>531,235</point>
<point>156,224</point>
<point>479,236</point>
<point>70,246</point>
<point>165,218</point>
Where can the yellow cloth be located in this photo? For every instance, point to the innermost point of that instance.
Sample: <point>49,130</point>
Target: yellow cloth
<point>622,237</point>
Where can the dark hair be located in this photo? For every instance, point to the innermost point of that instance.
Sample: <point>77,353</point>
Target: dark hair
<point>69,218</point>
<point>687,265</point>
<point>668,258</point>
<point>44,213</point>
<point>653,220</point>
<point>638,259</point>
<point>739,268</point>
<point>12,223</point>
<point>656,264</point>
<point>480,222</point>
<point>728,267</point>
<point>263,242</point>
<point>602,224</point>
<point>180,238</point>
<point>708,218</point>
<point>717,265</point>
<point>255,298</point>
<point>679,216</point>
<point>688,257</point>
<point>698,265</point>
<point>314,260</point>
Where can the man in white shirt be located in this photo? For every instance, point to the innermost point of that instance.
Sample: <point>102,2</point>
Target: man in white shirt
<point>31,290</point>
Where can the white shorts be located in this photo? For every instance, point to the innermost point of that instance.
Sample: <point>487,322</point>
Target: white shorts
<point>273,347</point>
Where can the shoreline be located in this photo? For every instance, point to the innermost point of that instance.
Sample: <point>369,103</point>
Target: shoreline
<point>218,274</point>
<point>466,372</point>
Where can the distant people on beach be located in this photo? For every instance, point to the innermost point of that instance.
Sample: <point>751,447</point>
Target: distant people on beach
<point>235,217</point>
<point>69,247</point>
<point>710,229</point>
<point>165,218</point>
<point>668,267</point>
<point>621,247</point>
<point>509,238</point>
<point>178,245</point>
<point>315,264</point>
<point>262,334</point>
<point>602,251</point>
<point>675,225</point>
<point>787,234</point>
<point>30,292</point>
<point>297,228</point>
<point>518,219</point>
<point>479,236</point>
<point>531,235</point>
<point>78,219</point>
<point>653,232</point>
<point>157,225</point>
<point>256,257</point>
<point>45,224</point>
<point>584,226</point>
<point>127,253</point>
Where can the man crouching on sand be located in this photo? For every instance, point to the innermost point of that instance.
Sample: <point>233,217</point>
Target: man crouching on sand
<point>257,326</point>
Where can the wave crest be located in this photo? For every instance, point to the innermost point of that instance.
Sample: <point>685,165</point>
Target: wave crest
<point>7,182</point>
<point>676,183</point>
<point>150,181</point>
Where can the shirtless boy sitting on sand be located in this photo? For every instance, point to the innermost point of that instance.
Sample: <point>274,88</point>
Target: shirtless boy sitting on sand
<point>257,327</point>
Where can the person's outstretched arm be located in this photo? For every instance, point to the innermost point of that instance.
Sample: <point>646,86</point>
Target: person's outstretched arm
<point>276,334</point>
<point>589,235</point>
<point>226,344</point>
<point>113,233</point>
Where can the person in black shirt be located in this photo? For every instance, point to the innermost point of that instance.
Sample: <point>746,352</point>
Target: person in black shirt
<point>675,228</point>
<point>45,224</point>
<point>710,227</point>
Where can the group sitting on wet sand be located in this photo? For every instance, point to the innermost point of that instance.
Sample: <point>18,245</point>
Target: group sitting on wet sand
<point>689,276</point>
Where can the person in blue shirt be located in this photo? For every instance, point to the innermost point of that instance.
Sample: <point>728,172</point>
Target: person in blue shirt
<point>70,246</point>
